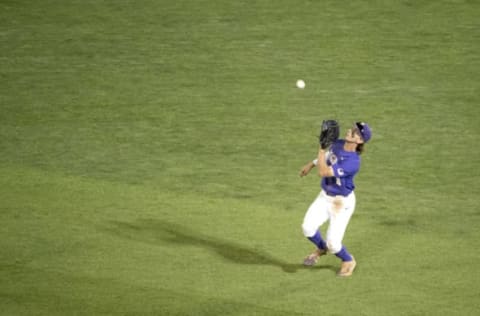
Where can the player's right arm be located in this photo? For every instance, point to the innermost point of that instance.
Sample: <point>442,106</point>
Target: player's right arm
<point>306,169</point>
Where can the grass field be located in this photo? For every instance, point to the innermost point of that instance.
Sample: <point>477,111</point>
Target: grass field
<point>150,150</point>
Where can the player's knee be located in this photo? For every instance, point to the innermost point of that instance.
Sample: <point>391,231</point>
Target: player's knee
<point>334,246</point>
<point>308,230</point>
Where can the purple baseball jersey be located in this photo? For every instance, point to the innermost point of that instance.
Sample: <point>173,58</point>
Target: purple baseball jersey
<point>345,165</point>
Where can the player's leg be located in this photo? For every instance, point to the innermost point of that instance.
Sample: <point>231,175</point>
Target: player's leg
<point>341,212</point>
<point>316,215</point>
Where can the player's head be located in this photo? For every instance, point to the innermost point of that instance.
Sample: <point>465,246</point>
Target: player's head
<point>359,134</point>
<point>364,131</point>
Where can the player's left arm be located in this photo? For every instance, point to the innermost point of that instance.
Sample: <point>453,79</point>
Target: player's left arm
<point>324,170</point>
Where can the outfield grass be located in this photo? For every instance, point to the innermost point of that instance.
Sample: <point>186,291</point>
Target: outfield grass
<point>150,150</point>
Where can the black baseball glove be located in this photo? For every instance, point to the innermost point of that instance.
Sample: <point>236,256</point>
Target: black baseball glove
<point>329,133</point>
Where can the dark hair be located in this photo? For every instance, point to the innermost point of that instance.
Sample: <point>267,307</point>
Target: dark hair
<point>360,148</point>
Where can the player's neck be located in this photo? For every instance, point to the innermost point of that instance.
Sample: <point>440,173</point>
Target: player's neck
<point>349,146</point>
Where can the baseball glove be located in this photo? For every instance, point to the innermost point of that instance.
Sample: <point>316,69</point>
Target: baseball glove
<point>329,133</point>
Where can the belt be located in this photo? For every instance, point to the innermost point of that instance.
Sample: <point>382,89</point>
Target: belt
<point>334,195</point>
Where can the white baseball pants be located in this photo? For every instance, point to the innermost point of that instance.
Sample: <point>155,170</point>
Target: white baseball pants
<point>337,209</point>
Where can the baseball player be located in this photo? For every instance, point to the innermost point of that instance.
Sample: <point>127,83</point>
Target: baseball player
<point>337,166</point>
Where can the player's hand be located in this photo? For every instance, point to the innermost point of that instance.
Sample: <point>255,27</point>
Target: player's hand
<point>329,132</point>
<point>306,169</point>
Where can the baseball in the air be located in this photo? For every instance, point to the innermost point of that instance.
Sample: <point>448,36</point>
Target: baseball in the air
<point>300,84</point>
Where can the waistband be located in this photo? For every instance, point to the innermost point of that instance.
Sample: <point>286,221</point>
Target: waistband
<point>334,195</point>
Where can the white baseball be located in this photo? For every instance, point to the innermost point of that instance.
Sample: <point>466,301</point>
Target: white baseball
<point>300,84</point>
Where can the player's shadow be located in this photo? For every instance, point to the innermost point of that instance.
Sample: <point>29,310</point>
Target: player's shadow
<point>151,231</point>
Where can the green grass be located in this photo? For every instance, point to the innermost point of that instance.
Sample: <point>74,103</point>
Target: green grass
<point>149,156</point>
